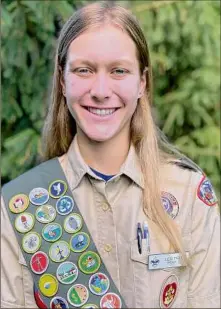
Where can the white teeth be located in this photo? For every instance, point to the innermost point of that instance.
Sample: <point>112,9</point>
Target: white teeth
<point>101,112</point>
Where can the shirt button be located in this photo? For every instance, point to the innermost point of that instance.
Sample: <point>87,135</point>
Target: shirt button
<point>105,206</point>
<point>107,247</point>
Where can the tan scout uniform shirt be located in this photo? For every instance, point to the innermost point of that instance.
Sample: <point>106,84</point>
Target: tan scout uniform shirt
<point>112,210</point>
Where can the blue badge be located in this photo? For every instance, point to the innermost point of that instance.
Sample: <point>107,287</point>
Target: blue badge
<point>58,302</point>
<point>79,242</point>
<point>57,188</point>
<point>65,205</point>
<point>206,193</point>
<point>52,232</point>
<point>99,284</point>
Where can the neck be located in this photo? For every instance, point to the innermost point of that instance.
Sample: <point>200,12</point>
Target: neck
<point>105,157</point>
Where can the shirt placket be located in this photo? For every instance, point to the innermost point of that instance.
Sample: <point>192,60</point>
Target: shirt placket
<point>106,230</point>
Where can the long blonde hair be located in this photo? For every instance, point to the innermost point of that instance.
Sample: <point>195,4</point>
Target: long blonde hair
<point>60,126</point>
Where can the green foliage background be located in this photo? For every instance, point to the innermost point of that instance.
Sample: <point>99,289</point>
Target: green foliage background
<point>184,40</point>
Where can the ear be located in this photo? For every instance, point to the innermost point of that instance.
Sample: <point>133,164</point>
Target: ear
<point>143,82</point>
<point>62,82</point>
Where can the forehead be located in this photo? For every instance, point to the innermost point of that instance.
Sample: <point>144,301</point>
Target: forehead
<point>103,44</point>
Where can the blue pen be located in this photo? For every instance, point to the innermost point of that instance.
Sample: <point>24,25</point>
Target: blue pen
<point>146,235</point>
<point>139,237</point>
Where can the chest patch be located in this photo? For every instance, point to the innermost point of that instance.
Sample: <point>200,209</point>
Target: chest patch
<point>206,193</point>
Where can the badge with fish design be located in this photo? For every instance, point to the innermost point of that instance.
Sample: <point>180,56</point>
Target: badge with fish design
<point>73,223</point>
<point>52,232</point>
<point>45,213</point>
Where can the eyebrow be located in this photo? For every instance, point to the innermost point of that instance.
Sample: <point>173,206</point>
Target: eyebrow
<point>93,63</point>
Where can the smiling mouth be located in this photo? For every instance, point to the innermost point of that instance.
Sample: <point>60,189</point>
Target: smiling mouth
<point>101,111</point>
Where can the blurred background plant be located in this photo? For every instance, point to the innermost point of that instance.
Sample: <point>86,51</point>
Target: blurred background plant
<point>184,41</point>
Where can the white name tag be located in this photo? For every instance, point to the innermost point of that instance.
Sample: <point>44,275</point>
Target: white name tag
<point>164,260</point>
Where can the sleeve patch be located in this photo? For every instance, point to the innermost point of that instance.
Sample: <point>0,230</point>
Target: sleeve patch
<point>206,193</point>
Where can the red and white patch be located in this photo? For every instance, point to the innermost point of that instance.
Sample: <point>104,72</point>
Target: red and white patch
<point>169,291</point>
<point>206,193</point>
<point>39,262</point>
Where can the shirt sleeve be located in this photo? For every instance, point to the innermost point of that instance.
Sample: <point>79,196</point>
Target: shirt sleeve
<point>16,280</point>
<point>204,283</point>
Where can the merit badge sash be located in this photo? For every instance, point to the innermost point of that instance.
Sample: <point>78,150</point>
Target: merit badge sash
<point>65,264</point>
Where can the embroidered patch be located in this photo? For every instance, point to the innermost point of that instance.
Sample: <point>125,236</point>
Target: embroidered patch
<point>89,262</point>
<point>18,203</point>
<point>110,300</point>
<point>206,193</point>
<point>59,251</point>
<point>170,204</point>
<point>39,196</point>
<point>48,285</point>
<point>24,222</point>
<point>73,223</point>
<point>39,302</point>
<point>65,205</point>
<point>67,273</point>
<point>39,262</point>
<point>58,303</point>
<point>79,242</point>
<point>78,295</point>
<point>31,242</point>
<point>45,213</point>
<point>99,284</point>
<point>169,291</point>
<point>57,188</point>
<point>52,232</point>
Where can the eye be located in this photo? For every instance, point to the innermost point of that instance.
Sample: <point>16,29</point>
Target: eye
<point>119,72</point>
<point>83,71</point>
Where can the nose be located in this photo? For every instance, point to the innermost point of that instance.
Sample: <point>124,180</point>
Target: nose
<point>100,89</point>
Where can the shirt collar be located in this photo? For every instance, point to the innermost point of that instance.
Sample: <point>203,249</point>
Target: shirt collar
<point>131,167</point>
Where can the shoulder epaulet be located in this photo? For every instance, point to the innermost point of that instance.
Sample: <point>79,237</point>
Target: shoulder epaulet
<point>187,164</point>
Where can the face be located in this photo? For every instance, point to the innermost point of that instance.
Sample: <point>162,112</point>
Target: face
<point>102,83</point>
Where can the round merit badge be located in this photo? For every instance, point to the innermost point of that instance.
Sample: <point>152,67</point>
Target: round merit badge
<point>168,291</point>
<point>78,295</point>
<point>57,188</point>
<point>110,300</point>
<point>39,262</point>
<point>39,196</point>
<point>45,213</point>
<point>67,272</point>
<point>59,251</point>
<point>40,303</point>
<point>48,285</point>
<point>58,303</point>
<point>89,262</point>
<point>52,232</point>
<point>79,242</point>
<point>65,205</point>
<point>24,222</point>
<point>31,242</point>
<point>73,223</point>
<point>99,284</point>
<point>18,203</point>
<point>170,204</point>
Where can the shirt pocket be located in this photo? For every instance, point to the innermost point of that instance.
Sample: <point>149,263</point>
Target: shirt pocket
<point>28,284</point>
<point>149,283</point>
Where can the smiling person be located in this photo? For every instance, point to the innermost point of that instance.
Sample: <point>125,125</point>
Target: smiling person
<point>115,216</point>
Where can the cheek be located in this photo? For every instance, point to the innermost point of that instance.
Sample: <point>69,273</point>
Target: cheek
<point>75,89</point>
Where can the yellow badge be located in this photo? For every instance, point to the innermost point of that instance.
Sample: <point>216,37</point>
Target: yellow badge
<point>18,203</point>
<point>48,285</point>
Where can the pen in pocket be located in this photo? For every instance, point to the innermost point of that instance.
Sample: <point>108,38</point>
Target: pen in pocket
<point>139,237</point>
<point>146,235</point>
